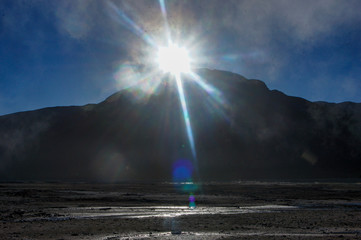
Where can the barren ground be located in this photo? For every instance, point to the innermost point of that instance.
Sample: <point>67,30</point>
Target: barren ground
<point>248,210</point>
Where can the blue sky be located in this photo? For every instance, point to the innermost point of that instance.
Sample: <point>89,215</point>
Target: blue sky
<point>59,53</point>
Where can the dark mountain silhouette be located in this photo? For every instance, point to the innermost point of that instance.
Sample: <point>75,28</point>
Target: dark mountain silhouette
<point>257,133</point>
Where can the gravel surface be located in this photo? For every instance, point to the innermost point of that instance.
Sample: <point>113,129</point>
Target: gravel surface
<point>243,210</point>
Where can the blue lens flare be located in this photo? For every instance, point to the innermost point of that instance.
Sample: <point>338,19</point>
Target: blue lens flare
<point>182,171</point>
<point>183,175</point>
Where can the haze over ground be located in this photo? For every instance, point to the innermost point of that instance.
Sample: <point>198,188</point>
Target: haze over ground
<point>57,53</point>
<point>248,132</point>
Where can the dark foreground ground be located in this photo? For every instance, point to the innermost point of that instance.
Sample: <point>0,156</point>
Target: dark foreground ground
<point>159,211</point>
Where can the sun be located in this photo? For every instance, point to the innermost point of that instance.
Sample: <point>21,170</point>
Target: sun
<point>173,59</point>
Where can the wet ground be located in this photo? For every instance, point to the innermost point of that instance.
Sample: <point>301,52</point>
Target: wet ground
<point>243,210</point>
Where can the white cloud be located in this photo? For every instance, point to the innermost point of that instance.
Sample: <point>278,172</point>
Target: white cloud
<point>75,17</point>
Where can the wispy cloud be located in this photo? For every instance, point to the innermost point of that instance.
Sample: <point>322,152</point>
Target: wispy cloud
<point>253,24</point>
<point>256,38</point>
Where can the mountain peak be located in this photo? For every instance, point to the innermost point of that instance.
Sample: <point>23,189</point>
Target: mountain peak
<point>221,80</point>
<point>241,131</point>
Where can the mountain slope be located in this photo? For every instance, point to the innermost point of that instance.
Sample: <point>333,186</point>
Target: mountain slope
<point>254,133</point>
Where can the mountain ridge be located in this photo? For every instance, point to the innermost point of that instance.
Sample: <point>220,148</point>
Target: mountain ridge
<point>249,132</point>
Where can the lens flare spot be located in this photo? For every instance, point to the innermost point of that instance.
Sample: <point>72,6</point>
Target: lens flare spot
<point>189,187</point>
<point>182,174</point>
<point>192,202</point>
<point>182,171</point>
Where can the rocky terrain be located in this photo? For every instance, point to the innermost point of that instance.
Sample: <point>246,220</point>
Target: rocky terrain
<point>239,210</point>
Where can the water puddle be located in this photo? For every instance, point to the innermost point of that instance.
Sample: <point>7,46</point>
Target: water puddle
<point>154,211</point>
<point>168,211</point>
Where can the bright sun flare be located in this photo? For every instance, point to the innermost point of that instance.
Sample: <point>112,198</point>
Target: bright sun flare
<point>173,59</point>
